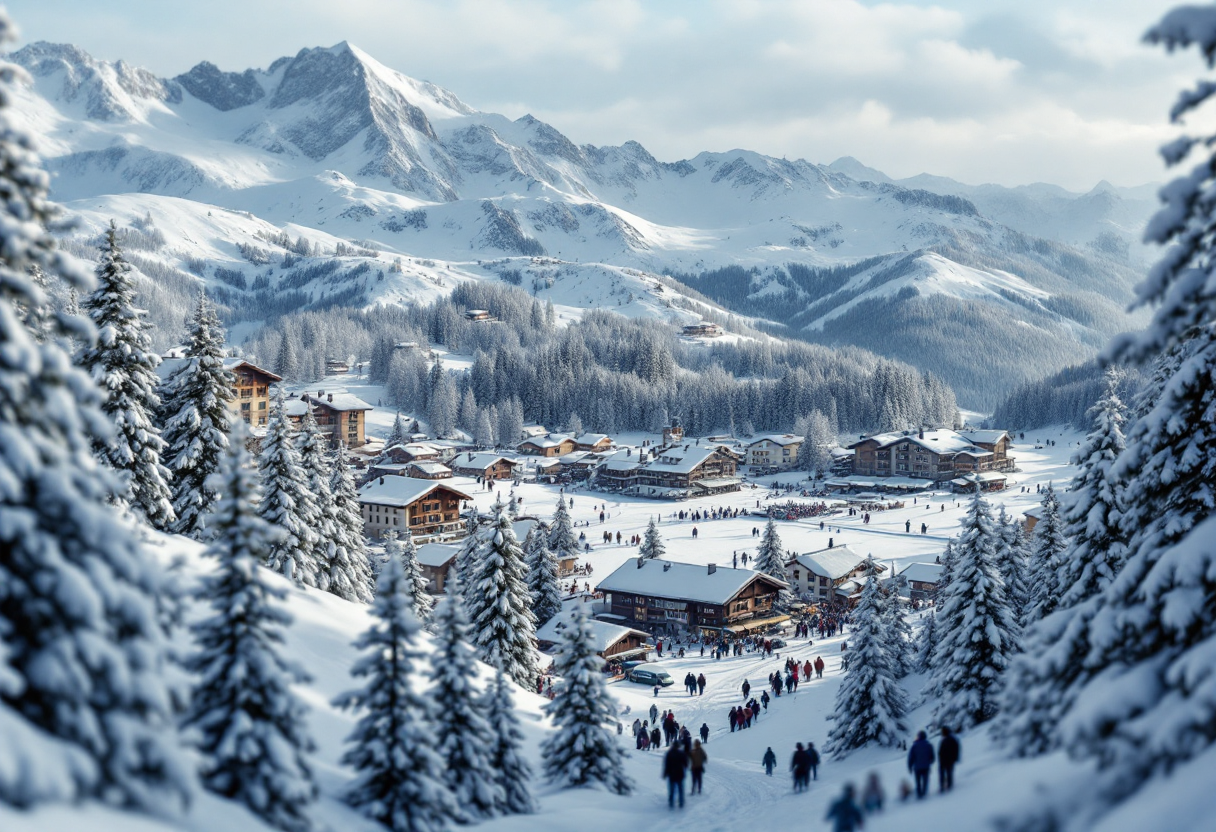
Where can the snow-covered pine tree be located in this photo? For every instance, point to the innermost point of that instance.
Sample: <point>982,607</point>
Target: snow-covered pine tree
<point>513,506</point>
<point>287,503</point>
<point>197,421</point>
<point>899,632</point>
<point>652,542</point>
<point>583,751</point>
<point>123,364</point>
<point>1151,639</point>
<point>870,704</point>
<point>483,429</point>
<point>926,642</point>
<point>976,631</point>
<point>562,539</point>
<point>1011,560</point>
<point>398,773</point>
<point>405,552</point>
<point>84,710</point>
<point>286,363</point>
<point>511,770</point>
<point>770,559</point>
<point>544,587</point>
<point>499,605</point>
<point>397,436</point>
<point>464,736</point>
<point>249,725</point>
<point>1047,561</point>
<point>348,514</point>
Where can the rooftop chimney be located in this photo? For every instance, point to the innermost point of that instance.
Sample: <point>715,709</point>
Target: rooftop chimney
<point>382,480</point>
<point>713,567</point>
<point>666,566</point>
<point>330,397</point>
<point>641,561</point>
<point>320,394</point>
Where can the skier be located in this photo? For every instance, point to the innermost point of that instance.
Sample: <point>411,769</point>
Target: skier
<point>920,761</point>
<point>675,762</point>
<point>769,761</point>
<point>696,761</point>
<point>948,753</point>
<point>844,812</point>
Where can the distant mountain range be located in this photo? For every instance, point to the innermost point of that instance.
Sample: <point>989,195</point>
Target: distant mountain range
<point>329,178</point>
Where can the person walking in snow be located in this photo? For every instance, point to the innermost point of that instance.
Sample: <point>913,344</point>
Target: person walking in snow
<point>872,797</point>
<point>813,755</point>
<point>704,732</point>
<point>819,667</point>
<point>769,761</point>
<point>697,758</point>
<point>747,688</point>
<point>654,714</point>
<point>844,813</point>
<point>675,763</point>
<point>800,764</point>
<point>734,719</point>
<point>700,684</point>
<point>920,761</point>
<point>949,752</point>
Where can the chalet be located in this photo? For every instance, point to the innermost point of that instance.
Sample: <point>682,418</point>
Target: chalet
<point>822,575</point>
<point>412,452</point>
<point>592,442</point>
<point>578,465</point>
<point>703,330</point>
<point>620,470</point>
<point>937,455</point>
<point>485,466</point>
<point>477,315</point>
<point>336,366</point>
<point>553,444</point>
<point>612,641</point>
<point>430,510</point>
<point>341,415</point>
<point>436,560</point>
<point>533,431</point>
<point>668,597</point>
<point>548,470</point>
<point>986,480</point>
<point>922,579</point>
<point>428,471</point>
<point>1033,515</point>
<point>777,451</point>
<point>673,434</point>
<point>251,387</point>
<point>694,469</point>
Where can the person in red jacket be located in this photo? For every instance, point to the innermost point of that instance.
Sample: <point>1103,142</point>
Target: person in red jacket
<point>807,667</point>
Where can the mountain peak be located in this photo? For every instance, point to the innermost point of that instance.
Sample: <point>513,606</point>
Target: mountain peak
<point>856,170</point>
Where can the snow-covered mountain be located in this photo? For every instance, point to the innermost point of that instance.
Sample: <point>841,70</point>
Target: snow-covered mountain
<point>330,178</point>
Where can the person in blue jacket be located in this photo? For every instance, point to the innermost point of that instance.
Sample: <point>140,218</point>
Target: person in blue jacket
<point>920,762</point>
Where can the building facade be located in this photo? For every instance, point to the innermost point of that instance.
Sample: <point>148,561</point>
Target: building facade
<point>937,455</point>
<point>429,509</point>
<point>778,451</point>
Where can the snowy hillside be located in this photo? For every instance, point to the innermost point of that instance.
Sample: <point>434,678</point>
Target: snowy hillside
<point>333,147</point>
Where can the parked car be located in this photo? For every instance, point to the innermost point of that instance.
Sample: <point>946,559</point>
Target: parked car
<point>651,676</point>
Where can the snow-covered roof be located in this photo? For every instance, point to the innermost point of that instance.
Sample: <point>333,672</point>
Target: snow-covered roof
<point>436,555</point>
<point>591,438</point>
<point>988,437</point>
<point>939,441</point>
<point>575,457</point>
<point>338,401</point>
<point>169,365</point>
<point>778,439</point>
<point>401,491</point>
<point>550,441</point>
<point>926,573</point>
<point>622,460</point>
<point>479,461</point>
<point>832,563</point>
<point>605,633</point>
<point>294,408</point>
<point>980,477</point>
<point>429,467</point>
<point>682,460</point>
<point>682,581</point>
<point>534,430</point>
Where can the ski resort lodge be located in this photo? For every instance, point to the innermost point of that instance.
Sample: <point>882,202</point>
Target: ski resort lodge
<point>664,596</point>
<point>251,391</point>
<point>937,455</point>
<point>673,473</point>
<point>430,509</point>
<point>777,451</point>
<point>612,641</point>
<point>828,574</point>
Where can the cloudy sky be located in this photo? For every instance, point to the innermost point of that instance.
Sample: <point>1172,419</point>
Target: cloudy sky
<point>981,90</point>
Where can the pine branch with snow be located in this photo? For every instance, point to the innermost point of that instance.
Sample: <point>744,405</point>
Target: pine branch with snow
<point>976,631</point>
<point>870,704</point>
<point>84,708</point>
<point>123,364</point>
<point>249,726</point>
<point>500,606</point>
<point>197,421</point>
<point>398,773</point>
<point>583,750</point>
<point>287,503</point>
<point>459,724</point>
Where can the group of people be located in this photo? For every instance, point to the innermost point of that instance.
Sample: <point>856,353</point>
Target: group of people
<point>698,515</point>
<point>794,510</point>
<point>695,685</point>
<point>681,758</point>
<point>921,759</point>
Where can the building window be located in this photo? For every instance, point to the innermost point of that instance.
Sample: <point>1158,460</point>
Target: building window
<point>245,407</point>
<point>261,405</point>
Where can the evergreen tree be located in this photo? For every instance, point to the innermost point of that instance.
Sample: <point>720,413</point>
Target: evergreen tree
<point>513,506</point>
<point>397,436</point>
<point>287,503</point>
<point>1047,562</point>
<point>287,364</point>
<point>562,539</point>
<point>1151,636</point>
<point>468,411</point>
<point>249,725</point>
<point>870,704</point>
<point>500,607</point>
<point>582,751</point>
<point>511,770</point>
<point>898,633</point>
<point>926,642</point>
<point>975,626</point>
<point>483,431</point>
<point>652,542</point>
<point>84,710</point>
<point>1011,561</point>
<point>123,364</point>
<point>770,559</point>
<point>348,544</point>
<point>399,775</point>
<point>463,733</point>
<point>544,587</point>
<point>405,552</point>
<point>197,421</point>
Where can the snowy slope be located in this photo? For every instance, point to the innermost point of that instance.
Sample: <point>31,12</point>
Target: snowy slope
<point>333,145</point>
